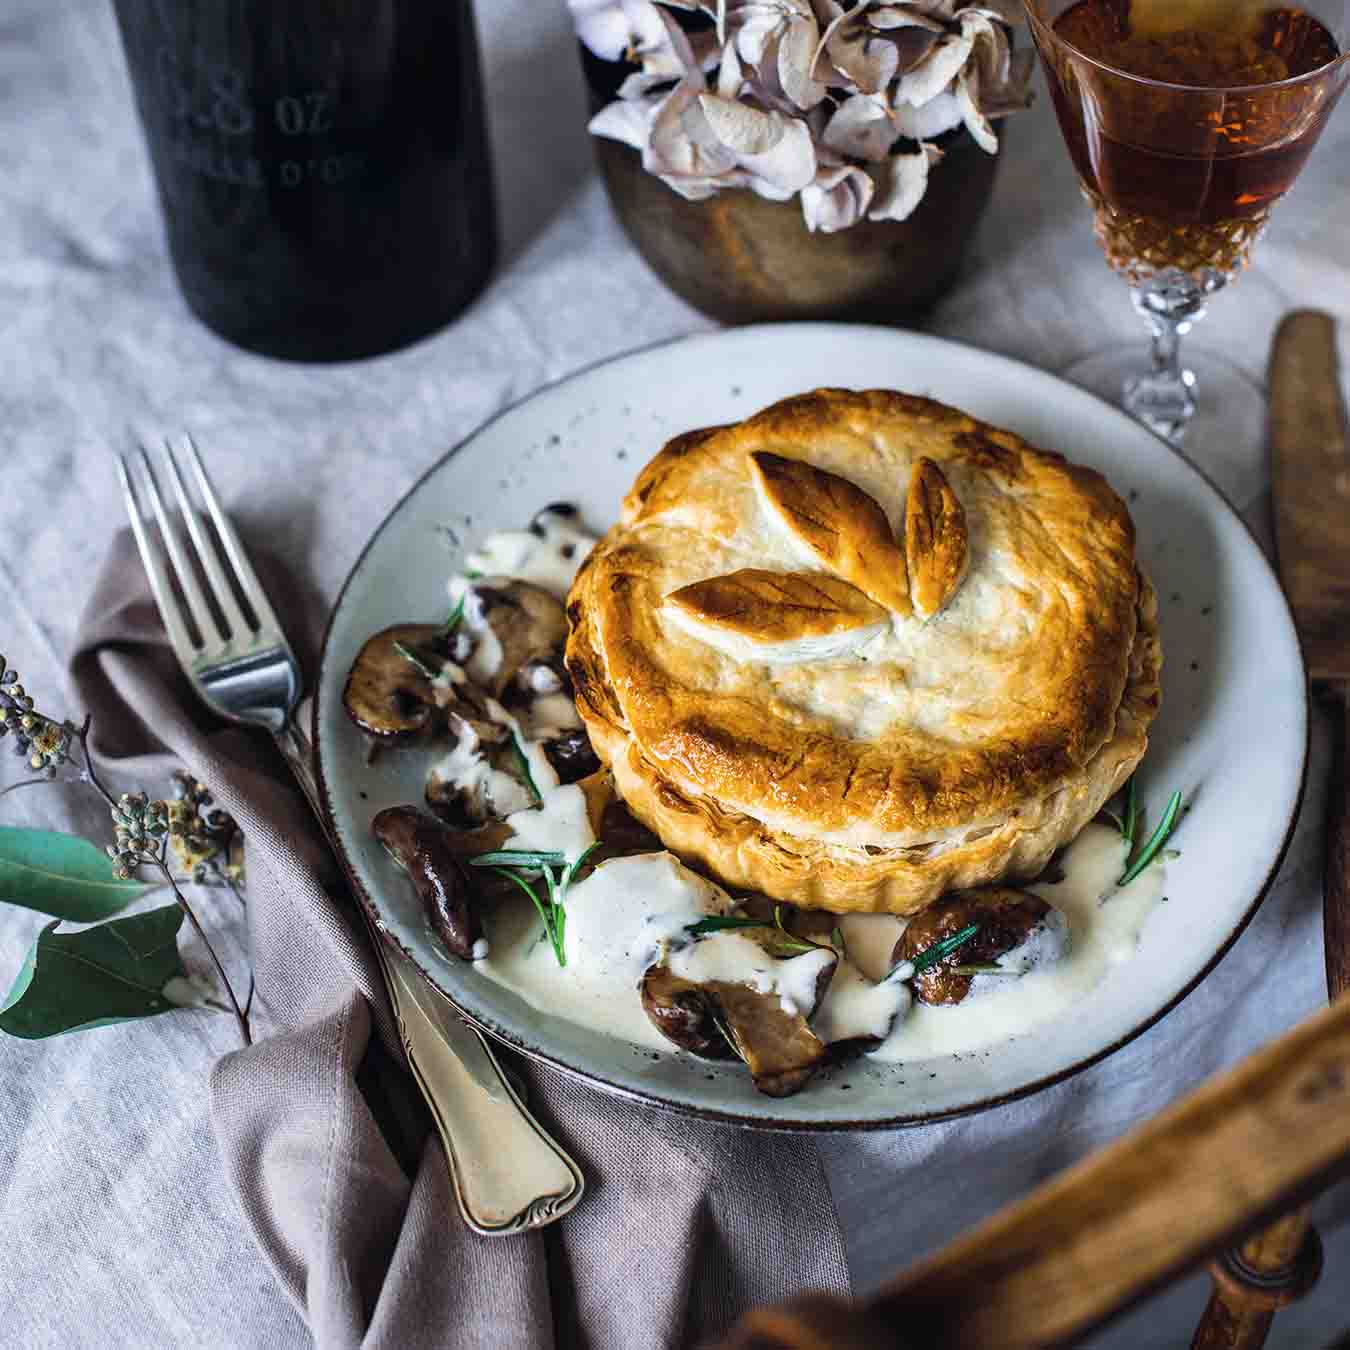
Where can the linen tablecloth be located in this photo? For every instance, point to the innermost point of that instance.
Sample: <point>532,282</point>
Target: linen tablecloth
<point>118,1225</point>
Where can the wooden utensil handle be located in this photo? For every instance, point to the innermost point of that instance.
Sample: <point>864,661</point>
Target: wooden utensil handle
<point>1337,902</point>
<point>1248,1145</point>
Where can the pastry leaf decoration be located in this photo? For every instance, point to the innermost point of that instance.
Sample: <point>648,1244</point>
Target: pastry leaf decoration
<point>838,524</point>
<point>773,607</point>
<point>936,542</point>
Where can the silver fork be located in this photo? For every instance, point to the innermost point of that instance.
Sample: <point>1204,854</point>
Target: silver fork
<point>508,1173</point>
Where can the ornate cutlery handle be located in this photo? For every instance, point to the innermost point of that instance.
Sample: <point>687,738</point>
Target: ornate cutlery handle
<point>509,1174</point>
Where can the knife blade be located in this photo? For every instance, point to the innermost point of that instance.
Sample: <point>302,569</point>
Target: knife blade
<point>1310,471</point>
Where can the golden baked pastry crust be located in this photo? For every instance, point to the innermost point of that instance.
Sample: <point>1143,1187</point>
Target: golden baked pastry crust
<point>945,752</point>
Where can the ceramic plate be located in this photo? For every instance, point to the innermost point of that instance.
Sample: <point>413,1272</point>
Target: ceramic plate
<point>1229,645</point>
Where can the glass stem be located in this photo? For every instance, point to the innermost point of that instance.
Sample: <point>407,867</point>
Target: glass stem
<point>1163,396</point>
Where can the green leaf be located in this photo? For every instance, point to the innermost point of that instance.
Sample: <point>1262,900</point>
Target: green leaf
<point>1155,842</point>
<point>939,951</point>
<point>113,972</point>
<point>414,660</point>
<point>517,857</point>
<point>61,875</point>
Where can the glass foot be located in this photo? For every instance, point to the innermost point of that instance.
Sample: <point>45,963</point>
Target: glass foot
<point>1222,420</point>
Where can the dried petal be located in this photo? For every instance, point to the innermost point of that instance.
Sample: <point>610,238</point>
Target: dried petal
<point>614,29</point>
<point>901,183</point>
<point>861,128</point>
<point>935,117</point>
<point>796,53</point>
<point>929,77</point>
<point>629,121</point>
<point>839,197</point>
<point>867,46</point>
<point>775,151</point>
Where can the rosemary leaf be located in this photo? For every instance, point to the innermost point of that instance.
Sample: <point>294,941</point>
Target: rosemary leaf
<point>1155,842</point>
<point>1131,814</point>
<point>1114,819</point>
<point>573,867</point>
<point>726,1036</point>
<point>716,923</point>
<point>939,951</point>
<point>412,658</point>
<point>456,615</point>
<point>986,970</point>
<point>550,927</point>
<point>517,857</point>
<point>524,765</point>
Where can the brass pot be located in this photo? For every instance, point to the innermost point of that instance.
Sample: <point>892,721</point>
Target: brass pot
<point>742,259</point>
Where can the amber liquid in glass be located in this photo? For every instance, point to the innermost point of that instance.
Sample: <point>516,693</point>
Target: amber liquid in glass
<point>1186,178</point>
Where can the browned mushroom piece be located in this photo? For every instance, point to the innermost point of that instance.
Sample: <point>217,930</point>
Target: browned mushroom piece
<point>387,695</point>
<point>718,1018</point>
<point>527,623</point>
<point>620,832</point>
<point>571,756</point>
<point>815,925</point>
<point>1006,916</point>
<point>419,844</point>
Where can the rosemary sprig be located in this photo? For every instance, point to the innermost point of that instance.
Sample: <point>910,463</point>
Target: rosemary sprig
<point>548,913</point>
<point>523,764</point>
<point>1131,814</point>
<point>412,658</point>
<point>519,857</point>
<point>718,923</point>
<point>575,865</point>
<point>1155,842</point>
<point>507,861</point>
<point>939,951</point>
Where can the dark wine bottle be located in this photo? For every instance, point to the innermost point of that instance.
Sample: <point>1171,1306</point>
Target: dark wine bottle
<point>322,165</point>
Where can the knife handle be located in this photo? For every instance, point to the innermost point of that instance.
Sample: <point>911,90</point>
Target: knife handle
<point>1337,880</point>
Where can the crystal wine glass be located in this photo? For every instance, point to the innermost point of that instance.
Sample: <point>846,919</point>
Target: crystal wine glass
<point>1186,120</point>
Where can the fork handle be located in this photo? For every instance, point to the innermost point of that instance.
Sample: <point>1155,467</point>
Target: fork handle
<point>508,1173</point>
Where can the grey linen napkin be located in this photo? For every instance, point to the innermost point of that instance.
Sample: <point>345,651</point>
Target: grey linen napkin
<point>684,1224</point>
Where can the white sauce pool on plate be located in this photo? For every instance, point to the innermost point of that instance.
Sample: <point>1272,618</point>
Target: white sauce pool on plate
<point>732,958</point>
<point>549,560</point>
<point>617,919</point>
<point>619,915</point>
<point>1104,928</point>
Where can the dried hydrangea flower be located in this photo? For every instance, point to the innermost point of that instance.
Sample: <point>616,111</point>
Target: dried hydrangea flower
<point>835,103</point>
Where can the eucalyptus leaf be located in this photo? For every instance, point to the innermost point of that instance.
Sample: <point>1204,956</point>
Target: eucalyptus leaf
<point>61,875</point>
<point>113,972</point>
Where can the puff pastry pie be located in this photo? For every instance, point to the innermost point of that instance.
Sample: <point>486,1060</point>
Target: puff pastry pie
<point>861,649</point>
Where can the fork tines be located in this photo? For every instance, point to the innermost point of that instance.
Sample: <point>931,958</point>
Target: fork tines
<point>213,624</point>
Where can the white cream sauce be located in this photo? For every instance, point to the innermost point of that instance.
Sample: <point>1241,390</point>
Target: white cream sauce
<point>618,920</point>
<point>485,658</point>
<point>490,791</point>
<point>550,559</point>
<point>558,824</point>
<point>854,1006</point>
<point>1104,924</point>
<point>732,958</point>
